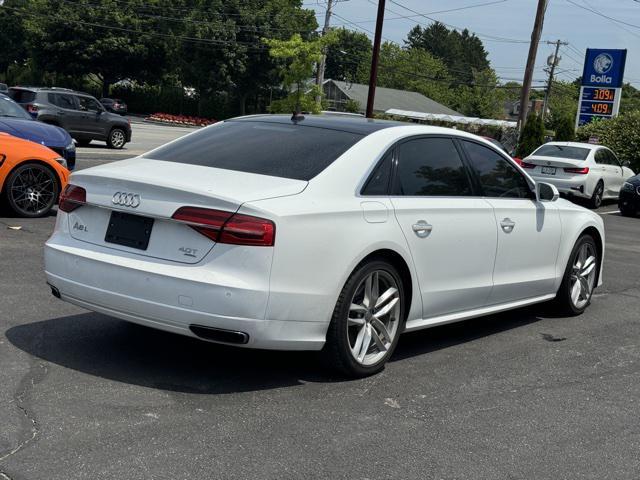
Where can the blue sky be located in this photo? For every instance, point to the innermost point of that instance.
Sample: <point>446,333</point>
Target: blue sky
<point>513,20</point>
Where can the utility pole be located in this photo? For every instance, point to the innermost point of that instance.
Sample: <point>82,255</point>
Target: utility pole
<point>373,77</point>
<point>553,62</point>
<point>531,63</point>
<point>323,58</point>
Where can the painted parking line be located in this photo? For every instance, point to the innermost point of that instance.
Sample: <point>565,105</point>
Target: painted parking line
<point>609,213</point>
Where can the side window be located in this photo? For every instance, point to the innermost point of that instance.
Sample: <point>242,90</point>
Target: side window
<point>497,176</point>
<point>62,101</point>
<point>431,167</point>
<point>613,160</point>
<point>378,183</point>
<point>89,104</point>
<point>601,157</point>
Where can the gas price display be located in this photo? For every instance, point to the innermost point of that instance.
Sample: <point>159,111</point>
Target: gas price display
<point>599,94</point>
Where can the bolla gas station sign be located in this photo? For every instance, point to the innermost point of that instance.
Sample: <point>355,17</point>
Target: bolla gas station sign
<point>601,85</point>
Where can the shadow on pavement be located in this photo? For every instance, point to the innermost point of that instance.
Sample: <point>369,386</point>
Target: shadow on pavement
<point>116,350</point>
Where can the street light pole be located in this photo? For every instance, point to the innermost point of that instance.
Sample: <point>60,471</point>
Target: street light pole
<point>373,77</point>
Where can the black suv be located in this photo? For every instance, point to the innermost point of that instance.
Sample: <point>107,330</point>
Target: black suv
<point>78,113</point>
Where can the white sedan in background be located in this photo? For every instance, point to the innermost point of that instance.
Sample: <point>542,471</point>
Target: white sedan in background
<point>331,233</point>
<point>592,172</point>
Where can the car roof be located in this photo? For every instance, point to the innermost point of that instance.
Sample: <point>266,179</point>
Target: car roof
<point>589,146</point>
<point>360,125</point>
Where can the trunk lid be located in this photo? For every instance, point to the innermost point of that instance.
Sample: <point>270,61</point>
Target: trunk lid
<point>161,188</point>
<point>555,162</point>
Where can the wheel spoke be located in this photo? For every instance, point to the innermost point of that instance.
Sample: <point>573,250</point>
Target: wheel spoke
<point>588,266</point>
<point>366,343</point>
<point>378,341</point>
<point>575,292</point>
<point>387,308</point>
<point>390,292</point>
<point>584,287</point>
<point>380,328</point>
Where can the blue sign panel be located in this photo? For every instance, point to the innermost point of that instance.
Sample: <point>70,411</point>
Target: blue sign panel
<point>604,68</point>
<point>584,119</point>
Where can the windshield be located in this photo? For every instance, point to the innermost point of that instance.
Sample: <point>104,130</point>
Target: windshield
<point>562,151</point>
<point>9,108</point>
<point>279,150</point>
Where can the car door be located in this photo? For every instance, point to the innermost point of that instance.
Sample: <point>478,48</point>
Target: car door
<point>604,170</point>
<point>69,116</point>
<point>615,173</point>
<point>93,120</point>
<point>451,232</point>
<point>528,231</point>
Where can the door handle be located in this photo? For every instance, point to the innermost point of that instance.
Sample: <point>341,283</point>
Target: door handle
<point>422,229</point>
<point>507,225</point>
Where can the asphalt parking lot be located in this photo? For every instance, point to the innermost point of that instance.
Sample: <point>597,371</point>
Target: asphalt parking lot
<point>520,395</point>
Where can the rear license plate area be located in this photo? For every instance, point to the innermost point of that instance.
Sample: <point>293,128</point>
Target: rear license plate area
<point>131,231</point>
<point>549,170</point>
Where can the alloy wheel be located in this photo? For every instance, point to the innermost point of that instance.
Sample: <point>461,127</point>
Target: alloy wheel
<point>117,138</point>
<point>32,191</point>
<point>583,275</point>
<point>374,317</point>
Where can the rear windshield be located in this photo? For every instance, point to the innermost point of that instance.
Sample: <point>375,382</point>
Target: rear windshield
<point>562,151</point>
<point>22,96</point>
<point>9,108</point>
<point>278,150</point>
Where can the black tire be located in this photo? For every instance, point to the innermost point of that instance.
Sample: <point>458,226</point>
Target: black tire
<point>117,138</point>
<point>563,300</point>
<point>31,190</point>
<point>596,198</point>
<point>338,350</point>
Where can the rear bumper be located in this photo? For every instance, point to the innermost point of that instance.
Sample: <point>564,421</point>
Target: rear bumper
<point>179,297</point>
<point>576,186</point>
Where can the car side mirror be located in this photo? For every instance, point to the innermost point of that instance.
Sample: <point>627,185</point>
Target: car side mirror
<point>626,163</point>
<point>545,192</point>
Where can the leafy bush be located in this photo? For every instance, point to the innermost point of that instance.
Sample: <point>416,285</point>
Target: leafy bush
<point>532,135</point>
<point>565,131</point>
<point>621,134</point>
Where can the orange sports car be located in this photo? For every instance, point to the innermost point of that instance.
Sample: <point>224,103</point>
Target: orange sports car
<point>31,176</point>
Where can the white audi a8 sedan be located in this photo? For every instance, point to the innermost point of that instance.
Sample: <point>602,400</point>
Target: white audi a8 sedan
<point>319,233</point>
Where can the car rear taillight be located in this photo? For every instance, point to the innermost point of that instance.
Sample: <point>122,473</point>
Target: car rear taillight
<point>527,165</point>
<point>71,198</point>
<point>32,108</point>
<point>227,227</point>
<point>582,171</point>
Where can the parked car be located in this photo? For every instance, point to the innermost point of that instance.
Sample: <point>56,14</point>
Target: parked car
<point>114,105</point>
<point>31,176</point>
<point>334,233</point>
<point>15,121</point>
<point>629,203</point>
<point>592,172</point>
<point>78,113</point>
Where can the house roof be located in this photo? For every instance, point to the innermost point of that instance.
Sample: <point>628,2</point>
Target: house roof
<point>387,98</point>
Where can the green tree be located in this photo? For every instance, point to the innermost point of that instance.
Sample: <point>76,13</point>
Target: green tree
<point>413,69</point>
<point>349,55</point>
<point>103,39</point>
<point>630,100</point>
<point>532,135</point>
<point>563,103</point>
<point>298,58</point>
<point>621,134</point>
<point>565,129</point>
<point>13,50</point>
<point>482,98</point>
<point>462,52</point>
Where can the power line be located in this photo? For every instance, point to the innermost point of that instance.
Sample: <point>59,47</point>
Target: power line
<point>493,38</point>
<point>596,12</point>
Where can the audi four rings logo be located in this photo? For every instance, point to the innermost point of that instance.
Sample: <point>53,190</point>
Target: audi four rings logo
<point>126,199</point>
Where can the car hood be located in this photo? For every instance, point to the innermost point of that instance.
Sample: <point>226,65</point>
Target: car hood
<point>35,131</point>
<point>634,180</point>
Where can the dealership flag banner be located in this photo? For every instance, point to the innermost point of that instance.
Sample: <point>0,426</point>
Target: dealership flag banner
<point>601,84</point>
